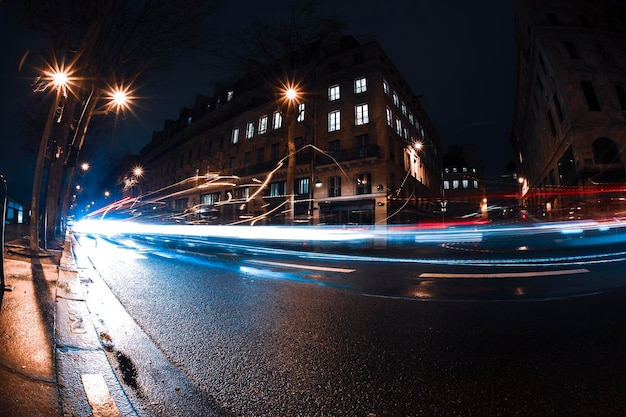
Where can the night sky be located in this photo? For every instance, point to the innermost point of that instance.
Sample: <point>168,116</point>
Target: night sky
<point>459,55</point>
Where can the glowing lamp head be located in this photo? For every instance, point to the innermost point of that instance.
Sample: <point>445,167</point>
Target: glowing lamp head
<point>84,166</point>
<point>291,94</point>
<point>60,78</point>
<point>137,171</point>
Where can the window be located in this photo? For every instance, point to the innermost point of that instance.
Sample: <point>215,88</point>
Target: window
<point>410,118</point>
<point>571,50</point>
<point>277,189</point>
<point>364,183</point>
<point>396,100</point>
<point>475,184</point>
<point>210,199</point>
<point>605,151</point>
<point>229,95</point>
<point>464,169</point>
<point>302,186</point>
<point>446,185</point>
<point>465,183</point>
<point>385,87</point>
<point>277,120</point>
<point>363,144</point>
<point>274,151</point>
<point>334,186</point>
<point>250,130</point>
<point>181,203</point>
<point>260,155</point>
<point>360,85</point>
<point>333,92</point>
<point>389,116</point>
<point>590,95</point>
<point>235,136</point>
<point>334,120</point>
<point>403,107</point>
<point>334,148</point>
<point>398,126</point>
<point>262,125</point>
<point>361,116</point>
<point>301,110</point>
<point>455,184</point>
<point>621,95</point>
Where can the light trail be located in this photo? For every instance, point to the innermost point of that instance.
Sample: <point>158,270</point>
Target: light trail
<point>309,267</point>
<point>504,274</point>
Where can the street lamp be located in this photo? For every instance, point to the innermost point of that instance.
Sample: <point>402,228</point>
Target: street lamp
<point>56,77</point>
<point>290,100</point>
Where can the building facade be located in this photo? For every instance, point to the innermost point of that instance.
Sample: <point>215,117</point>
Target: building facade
<point>365,150</point>
<point>463,183</point>
<point>569,122</point>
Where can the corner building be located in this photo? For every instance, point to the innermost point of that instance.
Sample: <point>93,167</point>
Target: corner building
<point>569,122</point>
<point>366,151</point>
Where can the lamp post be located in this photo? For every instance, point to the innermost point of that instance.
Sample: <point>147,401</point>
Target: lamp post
<point>57,78</point>
<point>291,95</point>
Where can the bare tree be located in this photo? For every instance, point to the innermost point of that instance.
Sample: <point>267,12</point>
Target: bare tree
<point>105,43</point>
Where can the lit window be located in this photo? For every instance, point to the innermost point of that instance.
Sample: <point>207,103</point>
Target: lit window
<point>262,125</point>
<point>455,184</point>
<point>361,114</point>
<point>277,120</point>
<point>410,117</point>
<point>385,87</point>
<point>235,136</point>
<point>301,109</point>
<point>446,185</point>
<point>360,85</point>
<point>403,106</point>
<point>364,183</point>
<point>396,100</point>
<point>454,169</point>
<point>389,116</point>
<point>333,92</point>
<point>475,184</point>
<point>229,95</point>
<point>302,186</point>
<point>276,189</point>
<point>465,183</point>
<point>406,133</point>
<point>464,169</point>
<point>398,126</point>
<point>250,130</point>
<point>334,120</point>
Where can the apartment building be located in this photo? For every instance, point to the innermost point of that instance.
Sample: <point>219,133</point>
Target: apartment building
<point>569,122</point>
<point>365,150</point>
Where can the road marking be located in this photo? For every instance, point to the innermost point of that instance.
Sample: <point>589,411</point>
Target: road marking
<point>315,268</point>
<point>100,400</point>
<point>505,274</point>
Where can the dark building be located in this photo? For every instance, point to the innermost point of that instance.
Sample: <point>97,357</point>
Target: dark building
<point>365,150</point>
<point>463,184</point>
<point>570,114</point>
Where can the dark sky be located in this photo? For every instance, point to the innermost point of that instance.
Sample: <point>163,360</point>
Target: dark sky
<point>459,55</point>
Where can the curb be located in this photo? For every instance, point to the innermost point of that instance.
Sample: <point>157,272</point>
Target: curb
<point>87,383</point>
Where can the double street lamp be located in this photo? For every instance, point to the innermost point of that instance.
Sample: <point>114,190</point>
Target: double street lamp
<point>61,79</point>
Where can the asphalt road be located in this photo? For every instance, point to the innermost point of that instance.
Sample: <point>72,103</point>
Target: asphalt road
<point>259,334</point>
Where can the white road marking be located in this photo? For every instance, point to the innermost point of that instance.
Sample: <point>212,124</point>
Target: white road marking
<point>505,274</point>
<point>100,400</point>
<point>299,266</point>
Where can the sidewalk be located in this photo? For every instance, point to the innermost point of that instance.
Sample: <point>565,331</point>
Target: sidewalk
<point>52,362</point>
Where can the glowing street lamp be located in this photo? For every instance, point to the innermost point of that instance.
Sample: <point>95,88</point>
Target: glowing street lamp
<point>84,166</point>
<point>290,99</point>
<point>56,77</point>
